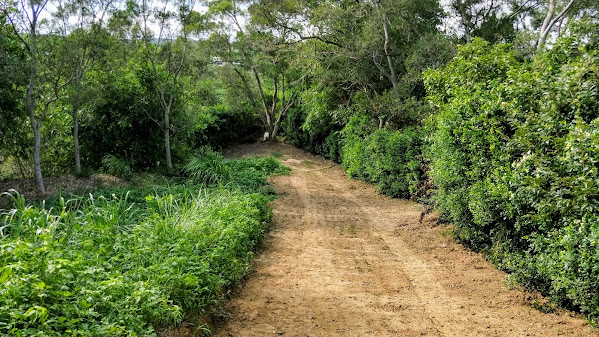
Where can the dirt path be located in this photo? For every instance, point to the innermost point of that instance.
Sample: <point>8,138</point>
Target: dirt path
<point>341,260</point>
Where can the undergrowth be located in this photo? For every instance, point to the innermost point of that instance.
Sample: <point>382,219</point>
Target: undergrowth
<point>128,262</point>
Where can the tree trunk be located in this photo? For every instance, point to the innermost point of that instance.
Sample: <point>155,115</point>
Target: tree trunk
<point>267,113</point>
<point>392,73</point>
<point>544,31</point>
<point>167,139</point>
<point>550,21</point>
<point>250,94</point>
<point>36,154</point>
<point>35,124</point>
<point>76,140</point>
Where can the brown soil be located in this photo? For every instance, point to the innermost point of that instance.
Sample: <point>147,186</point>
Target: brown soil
<point>341,260</point>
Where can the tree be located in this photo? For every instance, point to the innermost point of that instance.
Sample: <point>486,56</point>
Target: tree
<point>82,25</point>
<point>46,75</point>
<point>264,57</point>
<point>492,20</point>
<point>358,47</point>
<point>167,54</point>
<point>551,18</point>
<point>15,142</point>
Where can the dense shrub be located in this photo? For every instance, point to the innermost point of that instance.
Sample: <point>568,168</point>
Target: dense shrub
<point>322,141</point>
<point>218,126</point>
<point>354,141</point>
<point>514,156</point>
<point>315,125</point>
<point>119,123</point>
<point>468,143</point>
<point>125,264</point>
<point>387,159</point>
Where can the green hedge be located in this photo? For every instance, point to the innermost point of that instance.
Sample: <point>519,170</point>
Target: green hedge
<point>387,159</point>
<point>514,154</point>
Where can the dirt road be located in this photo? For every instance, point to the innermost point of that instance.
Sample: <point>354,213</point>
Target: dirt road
<point>341,260</point>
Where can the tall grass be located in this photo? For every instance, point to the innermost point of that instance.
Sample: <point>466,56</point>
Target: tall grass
<point>117,166</point>
<point>127,263</point>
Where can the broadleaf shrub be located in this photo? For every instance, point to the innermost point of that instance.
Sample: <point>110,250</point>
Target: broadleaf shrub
<point>387,159</point>
<point>513,151</point>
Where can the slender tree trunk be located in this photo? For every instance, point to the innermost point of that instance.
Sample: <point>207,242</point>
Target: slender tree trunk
<point>75,105</point>
<point>544,31</point>
<point>76,139</point>
<point>392,72</point>
<point>269,124</point>
<point>250,94</point>
<point>167,139</point>
<point>550,21</point>
<point>277,124</point>
<point>36,125</point>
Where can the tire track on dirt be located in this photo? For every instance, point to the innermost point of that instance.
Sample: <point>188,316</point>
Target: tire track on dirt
<point>430,292</point>
<point>342,261</point>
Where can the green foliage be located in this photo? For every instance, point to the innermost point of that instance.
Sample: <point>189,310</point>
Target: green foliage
<point>314,134</point>
<point>354,135</point>
<point>567,264</point>
<point>219,125</point>
<point>118,123</point>
<point>127,263</point>
<point>470,133</point>
<point>388,159</point>
<point>211,168</point>
<point>15,135</point>
<point>57,156</point>
<point>513,154</point>
<point>117,166</point>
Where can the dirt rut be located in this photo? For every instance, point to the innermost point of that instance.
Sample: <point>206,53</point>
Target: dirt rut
<point>341,260</point>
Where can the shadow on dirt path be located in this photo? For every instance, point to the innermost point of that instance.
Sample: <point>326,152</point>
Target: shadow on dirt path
<point>341,260</point>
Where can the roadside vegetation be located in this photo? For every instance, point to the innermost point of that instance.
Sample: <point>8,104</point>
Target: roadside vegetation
<point>132,261</point>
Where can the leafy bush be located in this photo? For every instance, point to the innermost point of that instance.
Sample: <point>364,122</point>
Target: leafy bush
<point>219,125</point>
<point>324,140</point>
<point>315,125</point>
<point>122,264</point>
<point>468,143</point>
<point>354,135</point>
<point>514,156</point>
<point>118,121</point>
<point>388,159</point>
<point>567,264</point>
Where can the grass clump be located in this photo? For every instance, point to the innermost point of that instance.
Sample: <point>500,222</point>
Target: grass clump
<point>212,169</point>
<point>129,262</point>
<point>117,166</point>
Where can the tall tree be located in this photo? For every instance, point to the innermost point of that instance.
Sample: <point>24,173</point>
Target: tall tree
<point>492,20</point>
<point>14,141</point>
<point>554,14</point>
<point>167,52</point>
<point>264,56</point>
<point>82,24</point>
<point>46,75</point>
<point>361,46</point>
